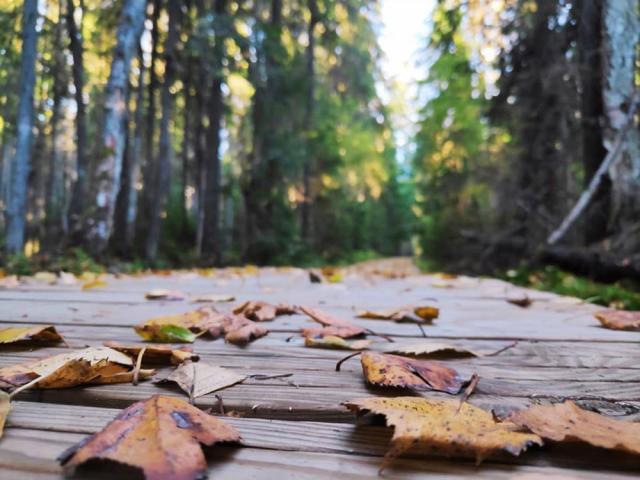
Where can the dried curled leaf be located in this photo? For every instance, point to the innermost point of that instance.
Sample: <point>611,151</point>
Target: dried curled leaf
<point>423,314</point>
<point>522,302</point>
<point>445,426</point>
<point>619,319</point>
<point>156,354</point>
<point>432,348</point>
<point>263,311</point>
<point>90,285</point>
<point>334,342</point>
<point>198,379</point>
<point>41,334</point>
<point>161,294</point>
<point>91,365</point>
<point>393,371</point>
<point>160,436</point>
<point>333,326</point>
<point>566,421</point>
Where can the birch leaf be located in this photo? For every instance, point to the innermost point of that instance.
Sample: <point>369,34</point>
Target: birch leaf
<point>566,422</point>
<point>198,379</point>
<point>444,426</point>
<point>41,334</point>
<point>393,371</point>
<point>160,436</point>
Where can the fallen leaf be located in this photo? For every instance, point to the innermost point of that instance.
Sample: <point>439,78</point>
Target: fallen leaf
<point>41,334</point>
<point>213,298</point>
<point>437,349</point>
<point>393,371</point>
<point>263,311</point>
<point>332,326</point>
<point>186,327</point>
<point>315,276</point>
<point>335,342</point>
<point>198,379</point>
<point>156,354</point>
<point>5,406</point>
<point>444,426</point>
<point>98,365</point>
<point>160,294</point>
<point>159,436</point>
<point>94,284</point>
<point>45,277</point>
<point>566,422</point>
<point>522,302</point>
<point>619,319</point>
<point>9,282</point>
<point>424,314</point>
<point>66,278</point>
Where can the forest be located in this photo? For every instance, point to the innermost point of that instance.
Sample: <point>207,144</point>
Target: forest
<point>220,132</point>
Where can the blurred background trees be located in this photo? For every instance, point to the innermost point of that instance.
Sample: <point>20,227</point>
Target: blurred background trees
<point>225,131</point>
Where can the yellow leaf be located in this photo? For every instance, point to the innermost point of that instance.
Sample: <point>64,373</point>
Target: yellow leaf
<point>94,284</point>
<point>5,406</point>
<point>42,333</point>
<point>444,426</point>
<point>332,341</point>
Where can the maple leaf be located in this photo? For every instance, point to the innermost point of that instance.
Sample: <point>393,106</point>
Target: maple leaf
<point>41,334</point>
<point>263,311</point>
<point>198,379</point>
<point>161,294</point>
<point>332,325</point>
<point>568,422</point>
<point>160,436</point>
<point>619,319</point>
<point>335,342</point>
<point>98,365</point>
<point>424,314</point>
<point>445,350</point>
<point>445,426</point>
<point>393,371</point>
<point>158,354</point>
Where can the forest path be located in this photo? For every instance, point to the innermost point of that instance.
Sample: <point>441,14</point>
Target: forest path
<point>295,426</point>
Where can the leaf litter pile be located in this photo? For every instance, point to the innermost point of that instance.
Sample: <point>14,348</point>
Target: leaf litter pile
<point>162,436</point>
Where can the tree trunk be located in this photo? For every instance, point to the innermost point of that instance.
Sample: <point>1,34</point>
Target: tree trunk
<point>109,164</point>
<point>621,26</point>
<point>308,123</point>
<point>162,178</point>
<point>79,190</point>
<point>210,231</point>
<point>24,122</point>
<point>55,181</point>
<point>592,113</point>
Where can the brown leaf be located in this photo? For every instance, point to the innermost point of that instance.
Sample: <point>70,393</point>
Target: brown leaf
<point>619,319</point>
<point>5,407</point>
<point>159,436</point>
<point>333,326</point>
<point>423,314</point>
<point>244,333</point>
<point>41,334</point>
<point>213,298</point>
<point>156,354</point>
<point>161,294</point>
<point>444,426</point>
<point>198,379</point>
<point>315,276</point>
<point>432,348</point>
<point>393,371</point>
<point>90,365</point>
<point>263,311</point>
<point>522,302</point>
<point>336,342</point>
<point>566,422</point>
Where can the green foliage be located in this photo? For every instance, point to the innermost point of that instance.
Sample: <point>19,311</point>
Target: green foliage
<point>618,295</point>
<point>76,261</point>
<point>18,265</point>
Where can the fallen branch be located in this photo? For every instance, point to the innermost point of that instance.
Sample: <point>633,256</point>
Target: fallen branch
<point>594,184</point>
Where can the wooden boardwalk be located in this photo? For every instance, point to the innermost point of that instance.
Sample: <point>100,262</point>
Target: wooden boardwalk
<point>295,427</point>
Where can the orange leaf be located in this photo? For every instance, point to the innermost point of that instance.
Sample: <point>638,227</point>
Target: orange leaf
<point>160,436</point>
<point>394,371</point>
<point>444,426</point>
<point>568,422</point>
<point>333,325</point>
<point>619,319</point>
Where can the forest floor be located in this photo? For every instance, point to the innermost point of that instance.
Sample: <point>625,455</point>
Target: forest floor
<point>292,420</point>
